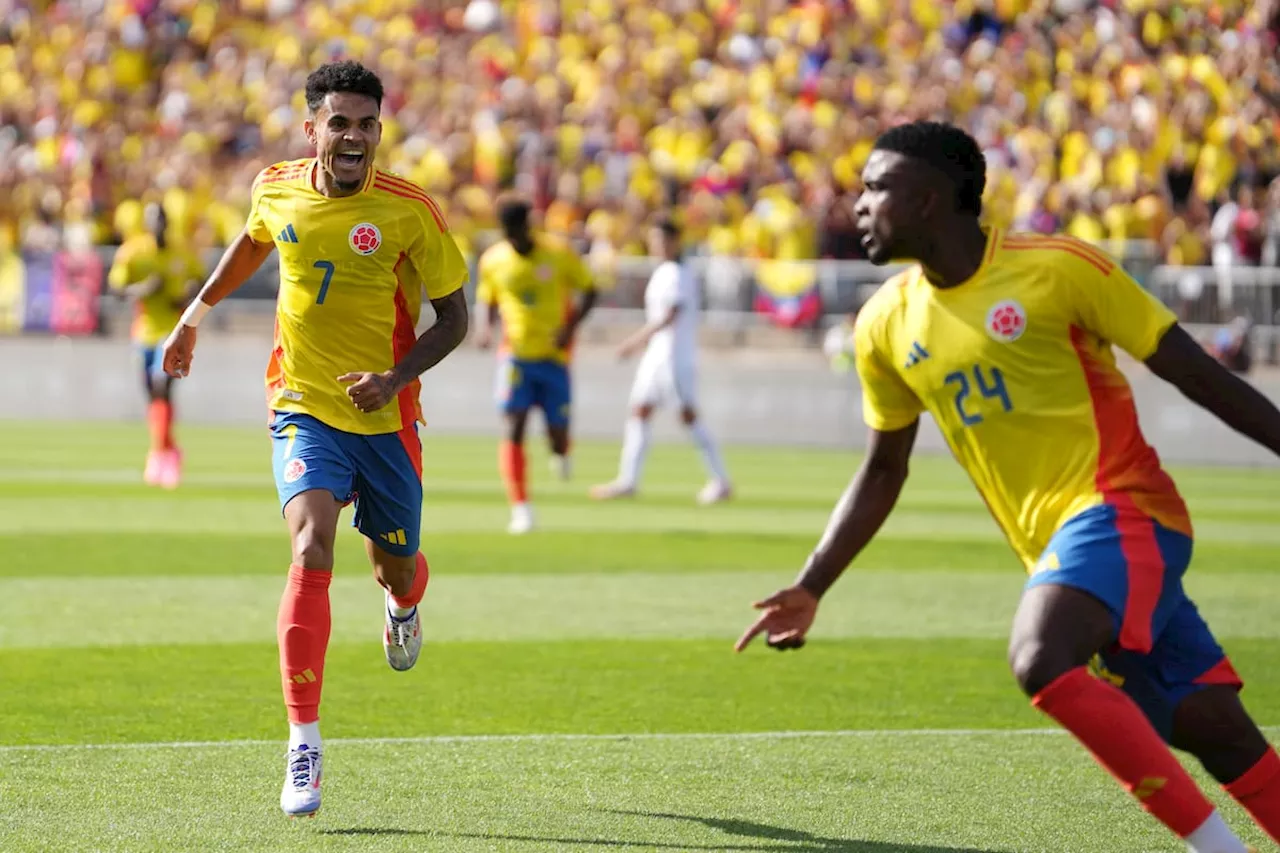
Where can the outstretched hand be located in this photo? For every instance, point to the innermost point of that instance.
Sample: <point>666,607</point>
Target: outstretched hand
<point>788,615</point>
<point>179,348</point>
<point>370,391</point>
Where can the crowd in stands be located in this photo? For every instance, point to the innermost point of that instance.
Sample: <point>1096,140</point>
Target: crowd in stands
<point>1117,121</point>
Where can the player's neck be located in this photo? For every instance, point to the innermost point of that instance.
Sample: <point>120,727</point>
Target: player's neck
<point>956,254</point>
<point>328,187</point>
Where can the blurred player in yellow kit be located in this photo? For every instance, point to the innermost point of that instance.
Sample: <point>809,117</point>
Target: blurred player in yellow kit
<point>160,279</point>
<point>530,283</point>
<point>1006,341</point>
<point>358,249</point>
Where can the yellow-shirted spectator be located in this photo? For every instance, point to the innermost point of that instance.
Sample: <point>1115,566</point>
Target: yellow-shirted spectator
<point>638,100</point>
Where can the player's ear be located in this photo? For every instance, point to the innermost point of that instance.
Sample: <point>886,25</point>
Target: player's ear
<point>309,128</point>
<point>929,200</point>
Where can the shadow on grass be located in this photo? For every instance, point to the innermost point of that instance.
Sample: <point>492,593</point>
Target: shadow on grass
<point>754,836</point>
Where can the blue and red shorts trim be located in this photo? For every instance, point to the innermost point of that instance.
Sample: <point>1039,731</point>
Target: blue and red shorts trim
<point>1164,650</point>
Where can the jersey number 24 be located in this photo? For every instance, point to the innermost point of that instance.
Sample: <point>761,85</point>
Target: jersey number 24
<point>992,388</point>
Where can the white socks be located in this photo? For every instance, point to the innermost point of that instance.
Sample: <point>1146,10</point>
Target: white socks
<point>635,444</point>
<point>562,466</point>
<point>304,734</point>
<point>710,453</point>
<point>1213,836</point>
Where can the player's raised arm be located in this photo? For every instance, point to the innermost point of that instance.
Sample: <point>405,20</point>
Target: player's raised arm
<point>241,260</point>
<point>1117,309</point>
<point>892,411</point>
<point>1181,361</point>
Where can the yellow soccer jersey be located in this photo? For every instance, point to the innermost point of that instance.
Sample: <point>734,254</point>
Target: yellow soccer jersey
<point>533,294</point>
<point>352,274</point>
<point>139,259</point>
<point>1016,367</point>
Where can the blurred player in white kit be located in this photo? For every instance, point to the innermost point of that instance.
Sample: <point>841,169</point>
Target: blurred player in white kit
<point>668,370</point>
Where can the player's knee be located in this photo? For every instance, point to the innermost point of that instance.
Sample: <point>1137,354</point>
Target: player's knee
<point>643,412</point>
<point>515,427</point>
<point>313,548</point>
<point>689,416</point>
<point>1037,663</point>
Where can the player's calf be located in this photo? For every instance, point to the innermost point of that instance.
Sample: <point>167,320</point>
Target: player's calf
<point>405,580</point>
<point>1057,630</point>
<point>1213,725</point>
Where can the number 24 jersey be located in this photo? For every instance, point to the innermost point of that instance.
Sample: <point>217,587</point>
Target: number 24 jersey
<point>1015,365</point>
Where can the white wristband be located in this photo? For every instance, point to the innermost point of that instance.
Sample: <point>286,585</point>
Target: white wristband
<point>195,313</point>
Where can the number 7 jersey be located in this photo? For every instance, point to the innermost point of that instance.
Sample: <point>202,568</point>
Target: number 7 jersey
<point>352,274</point>
<point>1015,365</point>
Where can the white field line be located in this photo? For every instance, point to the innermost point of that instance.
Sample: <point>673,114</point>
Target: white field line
<point>566,738</point>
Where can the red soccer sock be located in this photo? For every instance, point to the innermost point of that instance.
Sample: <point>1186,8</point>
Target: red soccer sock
<point>419,588</point>
<point>302,628</point>
<point>1258,790</point>
<point>1123,741</point>
<point>160,423</point>
<point>511,464</point>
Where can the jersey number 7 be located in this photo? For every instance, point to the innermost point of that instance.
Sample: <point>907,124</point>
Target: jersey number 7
<point>992,389</point>
<point>327,266</point>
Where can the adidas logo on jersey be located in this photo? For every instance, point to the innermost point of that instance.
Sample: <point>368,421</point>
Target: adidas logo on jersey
<point>288,235</point>
<point>917,355</point>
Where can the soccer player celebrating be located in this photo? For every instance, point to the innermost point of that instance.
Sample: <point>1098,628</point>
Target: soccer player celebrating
<point>160,279</point>
<point>1006,340</point>
<point>668,369</point>
<point>358,247</point>
<point>530,282</point>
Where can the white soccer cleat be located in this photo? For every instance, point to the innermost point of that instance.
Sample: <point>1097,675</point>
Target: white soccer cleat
<point>300,796</point>
<point>714,492</point>
<point>171,469</point>
<point>402,639</point>
<point>612,491</point>
<point>521,520</point>
<point>155,464</point>
<point>562,467</point>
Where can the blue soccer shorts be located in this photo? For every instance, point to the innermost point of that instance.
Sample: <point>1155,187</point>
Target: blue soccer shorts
<point>1164,650</point>
<point>152,363</point>
<point>381,474</point>
<point>524,384</point>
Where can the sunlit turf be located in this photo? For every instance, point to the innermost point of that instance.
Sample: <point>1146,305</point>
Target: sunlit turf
<point>137,619</point>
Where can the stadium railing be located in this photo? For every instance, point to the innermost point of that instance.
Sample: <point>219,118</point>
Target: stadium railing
<point>742,297</point>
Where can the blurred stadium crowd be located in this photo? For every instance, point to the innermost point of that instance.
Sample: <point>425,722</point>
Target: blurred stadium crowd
<point>1117,121</point>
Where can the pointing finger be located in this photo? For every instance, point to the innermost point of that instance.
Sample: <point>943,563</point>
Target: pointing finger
<point>751,633</point>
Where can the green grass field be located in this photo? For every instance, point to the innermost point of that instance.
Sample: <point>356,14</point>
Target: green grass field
<point>578,691</point>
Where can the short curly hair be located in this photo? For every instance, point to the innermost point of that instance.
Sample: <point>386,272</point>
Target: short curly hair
<point>345,76</point>
<point>513,212</point>
<point>948,149</point>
